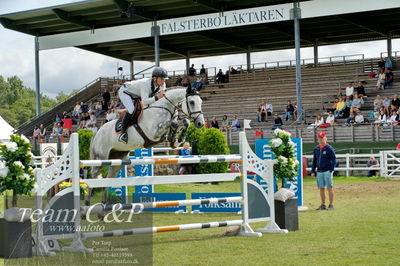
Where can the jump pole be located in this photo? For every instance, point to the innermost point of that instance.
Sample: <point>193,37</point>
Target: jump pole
<point>257,202</point>
<point>96,208</point>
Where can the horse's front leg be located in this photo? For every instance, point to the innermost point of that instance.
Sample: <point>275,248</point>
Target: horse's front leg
<point>185,125</point>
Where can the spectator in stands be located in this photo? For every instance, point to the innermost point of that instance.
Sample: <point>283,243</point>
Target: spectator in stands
<point>92,120</point>
<point>350,89</point>
<point>381,63</point>
<point>334,105</point>
<point>394,118</point>
<point>185,168</point>
<point>220,77</point>
<point>57,119</point>
<point>92,106</point>
<point>192,71</point>
<point>207,123</point>
<point>295,110</point>
<point>84,108</point>
<point>378,103</point>
<point>278,123</point>
<point>261,112</point>
<point>198,84</point>
<point>106,98</point>
<point>381,79</point>
<point>203,70</point>
<point>57,130</point>
<point>93,128</point>
<point>386,103</point>
<point>270,111</point>
<point>225,123</point>
<point>381,119</point>
<point>319,120</point>
<point>330,119</point>
<point>99,108</point>
<point>178,81</point>
<point>356,105</point>
<point>360,90</point>
<point>111,115</point>
<point>388,78</point>
<point>340,106</point>
<point>395,103</point>
<point>233,71</point>
<point>42,130</point>
<point>65,115</point>
<point>204,79</point>
<point>36,132</point>
<point>235,123</point>
<point>359,118</point>
<point>214,123</point>
<point>373,163</point>
<point>77,110</point>
<point>388,63</point>
<point>348,103</point>
<point>289,110</point>
<point>85,117</point>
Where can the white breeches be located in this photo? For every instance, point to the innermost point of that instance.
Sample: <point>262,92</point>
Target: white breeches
<point>126,100</point>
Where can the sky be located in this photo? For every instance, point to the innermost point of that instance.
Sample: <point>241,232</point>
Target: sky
<point>67,69</point>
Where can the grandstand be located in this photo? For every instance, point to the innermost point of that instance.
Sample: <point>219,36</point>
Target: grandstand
<point>276,84</point>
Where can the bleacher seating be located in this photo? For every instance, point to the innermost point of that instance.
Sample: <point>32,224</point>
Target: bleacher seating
<point>246,90</point>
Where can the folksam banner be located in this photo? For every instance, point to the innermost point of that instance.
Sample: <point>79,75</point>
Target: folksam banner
<point>143,170</point>
<point>222,207</point>
<point>154,197</point>
<point>122,192</point>
<point>263,150</point>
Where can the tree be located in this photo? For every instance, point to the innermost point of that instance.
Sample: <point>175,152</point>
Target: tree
<point>18,103</point>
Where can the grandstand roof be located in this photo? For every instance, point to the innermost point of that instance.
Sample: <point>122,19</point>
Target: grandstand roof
<point>95,15</point>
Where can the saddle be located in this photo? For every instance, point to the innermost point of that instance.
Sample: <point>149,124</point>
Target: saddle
<point>135,117</point>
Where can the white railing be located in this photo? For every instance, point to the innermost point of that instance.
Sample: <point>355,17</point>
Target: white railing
<point>389,162</point>
<point>306,61</point>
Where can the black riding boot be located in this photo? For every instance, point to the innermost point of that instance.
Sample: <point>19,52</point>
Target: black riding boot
<point>124,125</point>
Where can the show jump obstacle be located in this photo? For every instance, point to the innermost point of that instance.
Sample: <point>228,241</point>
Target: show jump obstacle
<point>256,199</point>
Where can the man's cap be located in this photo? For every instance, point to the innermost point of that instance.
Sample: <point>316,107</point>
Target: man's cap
<point>321,134</point>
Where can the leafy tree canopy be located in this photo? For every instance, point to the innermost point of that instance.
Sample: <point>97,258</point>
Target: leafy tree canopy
<point>17,102</point>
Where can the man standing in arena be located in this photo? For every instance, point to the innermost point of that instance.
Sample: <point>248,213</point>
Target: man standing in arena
<point>149,90</point>
<point>323,164</point>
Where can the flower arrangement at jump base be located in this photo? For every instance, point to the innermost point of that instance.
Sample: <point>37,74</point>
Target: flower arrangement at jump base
<point>17,175</point>
<point>83,187</point>
<point>285,162</point>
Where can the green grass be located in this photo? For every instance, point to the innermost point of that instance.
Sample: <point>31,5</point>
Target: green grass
<point>363,229</point>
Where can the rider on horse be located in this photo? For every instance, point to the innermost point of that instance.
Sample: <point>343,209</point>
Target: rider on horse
<point>149,90</point>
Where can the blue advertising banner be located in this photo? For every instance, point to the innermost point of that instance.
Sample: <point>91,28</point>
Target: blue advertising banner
<point>222,207</point>
<point>263,150</point>
<point>154,197</point>
<point>121,191</point>
<point>143,170</point>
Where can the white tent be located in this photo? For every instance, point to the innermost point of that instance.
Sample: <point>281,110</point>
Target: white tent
<point>5,130</point>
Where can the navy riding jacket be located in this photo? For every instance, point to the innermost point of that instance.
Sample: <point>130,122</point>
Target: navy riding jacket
<point>324,160</point>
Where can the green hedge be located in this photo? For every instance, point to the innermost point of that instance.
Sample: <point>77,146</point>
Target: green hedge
<point>208,141</point>
<point>85,137</point>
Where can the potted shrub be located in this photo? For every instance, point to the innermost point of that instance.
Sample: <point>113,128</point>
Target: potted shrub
<point>285,169</point>
<point>16,177</point>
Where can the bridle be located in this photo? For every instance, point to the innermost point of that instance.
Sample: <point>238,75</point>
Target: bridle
<point>178,107</point>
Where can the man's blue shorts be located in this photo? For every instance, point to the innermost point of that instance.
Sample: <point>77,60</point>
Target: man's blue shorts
<point>324,179</point>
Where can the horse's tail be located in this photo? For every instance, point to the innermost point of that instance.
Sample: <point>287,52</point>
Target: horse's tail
<point>95,170</point>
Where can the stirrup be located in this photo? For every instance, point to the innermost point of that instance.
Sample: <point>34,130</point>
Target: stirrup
<point>123,138</point>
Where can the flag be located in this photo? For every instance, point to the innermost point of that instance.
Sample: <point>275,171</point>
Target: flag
<point>258,133</point>
<point>246,123</point>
